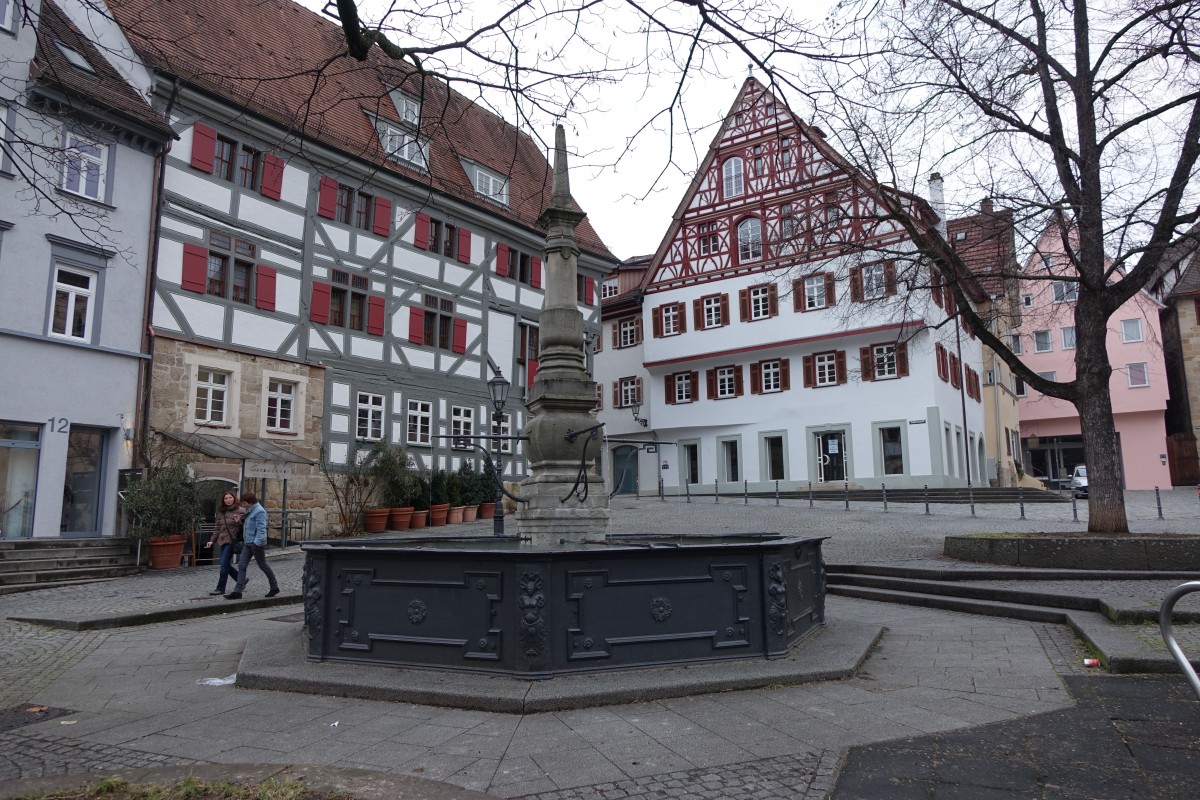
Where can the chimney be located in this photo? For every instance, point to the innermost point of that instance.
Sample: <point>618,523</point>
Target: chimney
<point>937,199</point>
<point>986,206</point>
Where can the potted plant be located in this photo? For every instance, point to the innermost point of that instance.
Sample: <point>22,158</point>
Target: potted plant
<point>469,479</point>
<point>439,499</point>
<point>454,495</point>
<point>485,488</point>
<point>162,509</point>
<point>420,500</point>
<point>394,476</point>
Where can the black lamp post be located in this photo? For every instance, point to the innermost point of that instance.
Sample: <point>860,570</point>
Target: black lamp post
<point>498,388</point>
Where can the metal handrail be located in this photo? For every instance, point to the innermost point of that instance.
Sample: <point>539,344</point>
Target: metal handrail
<point>1168,634</point>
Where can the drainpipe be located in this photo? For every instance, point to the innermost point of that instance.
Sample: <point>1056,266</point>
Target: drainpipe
<point>996,392</point>
<point>147,372</point>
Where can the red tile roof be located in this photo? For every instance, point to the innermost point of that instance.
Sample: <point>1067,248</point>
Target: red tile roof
<point>987,245</point>
<point>289,65</point>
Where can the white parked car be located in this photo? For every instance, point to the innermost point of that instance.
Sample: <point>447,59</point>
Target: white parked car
<point>1079,484</point>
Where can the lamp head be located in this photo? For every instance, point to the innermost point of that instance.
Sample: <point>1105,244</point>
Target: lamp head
<point>498,388</point>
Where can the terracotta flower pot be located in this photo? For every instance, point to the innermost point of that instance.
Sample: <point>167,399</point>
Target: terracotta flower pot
<point>437,514</point>
<point>455,515</point>
<point>375,520</point>
<point>487,510</point>
<point>399,518</point>
<point>166,552</point>
<point>418,519</point>
<point>469,513</point>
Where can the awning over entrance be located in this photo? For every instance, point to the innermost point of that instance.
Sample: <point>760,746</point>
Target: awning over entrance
<point>242,449</point>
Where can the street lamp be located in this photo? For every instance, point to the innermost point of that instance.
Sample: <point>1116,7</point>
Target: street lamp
<point>635,408</point>
<point>498,388</point>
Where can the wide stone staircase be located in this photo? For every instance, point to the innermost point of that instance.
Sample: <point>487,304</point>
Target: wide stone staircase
<point>979,495</point>
<point>43,563</point>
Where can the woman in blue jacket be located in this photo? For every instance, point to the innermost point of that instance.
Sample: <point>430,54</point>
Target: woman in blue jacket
<point>255,535</point>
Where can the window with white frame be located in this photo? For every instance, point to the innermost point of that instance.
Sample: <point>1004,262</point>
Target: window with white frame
<point>212,392</point>
<point>8,14</point>
<point>504,428</point>
<point>750,239</point>
<point>85,166</point>
<point>1065,291</point>
<point>671,316</point>
<point>1131,330</point>
<point>710,242</point>
<point>74,302</point>
<point>1027,300</point>
<point>630,392</point>
<point>492,186</point>
<point>1139,375</point>
<point>1052,375</point>
<point>608,289</point>
<point>409,109</point>
<point>370,417</point>
<point>814,292</point>
<point>885,361</point>
<point>874,281</point>
<point>403,145</point>
<point>1016,344</point>
<point>420,422</point>
<point>825,365</point>
<point>726,382</point>
<point>713,318</point>
<point>1068,337</point>
<point>1041,342</point>
<point>760,302</point>
<point>733,181</point>
<point>771,375</point>
<point>281,402</point>
<point>684,391</point>
<point>462,423</point>
<point>786,156</point>
<point>630,331</point>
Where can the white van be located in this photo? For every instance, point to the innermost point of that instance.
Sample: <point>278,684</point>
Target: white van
<point>1079,484</point>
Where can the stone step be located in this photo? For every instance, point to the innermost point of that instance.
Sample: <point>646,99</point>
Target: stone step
<point>991,608</point>
<point>949,496</point>
<point>8,545</point>
<point>41,578</point>
<point>51,564</point>
<point>66,550</point>
<point>966,591</point>
<point>29,587</point>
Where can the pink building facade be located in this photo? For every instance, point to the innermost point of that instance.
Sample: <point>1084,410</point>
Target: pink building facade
<point>1045,340</point>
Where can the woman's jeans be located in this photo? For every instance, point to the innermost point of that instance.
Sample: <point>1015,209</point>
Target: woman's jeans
<point>260,557</point>
<point>227,570</point>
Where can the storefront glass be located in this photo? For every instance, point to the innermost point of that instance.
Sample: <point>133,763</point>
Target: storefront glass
<point>83,482</point>
<point>18,478</point>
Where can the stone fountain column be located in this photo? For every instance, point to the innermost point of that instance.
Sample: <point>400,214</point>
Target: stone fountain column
<point>563,394</point>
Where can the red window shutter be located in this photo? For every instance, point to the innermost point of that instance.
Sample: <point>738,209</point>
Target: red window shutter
<point>204,146</point>
<point>798,303</point>
<point>318,307</point>
<point>955,375</point>
<point>382,221</point>
<point>272,177</point>
<point>656,321</point>
<point>669,384</point>
<point>724,309</point>
<point>773,300</point>
<point>856,285</point>
<point>744,304</point>
<point>375,315</point>
<point>866,363</point>
<point>535,273</point>
<point>464,245</point>
<point>785,374</point>
<point>889,279</point>
<point>264,288</point>
<point>710,378</point>
<point>416,326</point>
<point>840,361</point>
<point>810,372</point>
<point>681,315</point>
<point>421,232</point>
<point>738,386</point>
<point>531,369</point>
<point>638,389</point>
<point>327,198</point>
<point>459,344</point>
<point>502,260</point>
<point>830,290</point>
<point>756,378</point>
<point>195,268</point>
<point>589,291</point>
<point>902,359</point>
<point>698,313</point>
<point>616,394</point>
<point>940,353</point>
<point>935,286</point>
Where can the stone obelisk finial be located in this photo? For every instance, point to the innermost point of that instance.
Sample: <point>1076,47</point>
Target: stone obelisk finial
<point>563,393</point>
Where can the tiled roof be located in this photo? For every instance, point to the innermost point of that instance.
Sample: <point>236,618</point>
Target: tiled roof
<point>987,245</point>
<point>289,65</point>
<point>103,88</point>
<point>1185,252</point>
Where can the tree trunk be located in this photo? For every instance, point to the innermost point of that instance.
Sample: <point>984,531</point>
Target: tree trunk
<point>1093,402</point>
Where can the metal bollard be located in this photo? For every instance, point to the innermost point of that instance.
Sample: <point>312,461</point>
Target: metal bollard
<point>1021,499</point>
<point>661,498</point>
<point>846,493</point>
<point>716,492</point>
<point>1074,508</point>
<point>810,497</point>
<point>971,497</point>
<point>777,492</point>
<point>883,486</point>
<point>1158,500</point>
<point>927,499</point>
<point>745,491</point>
<point>687,490</point>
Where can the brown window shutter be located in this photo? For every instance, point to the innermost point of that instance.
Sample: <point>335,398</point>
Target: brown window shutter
<point>756,378</point>
<point>616,334</point>
<point>725,309</point>
<point>840,362</point>
<point>656,321</point>
<point>785,374</point>
<point>902,359</point>
<point>694,378</point>
<point>830,290</point>
<point>698,313</point>
<point>710,377</point>
<point>798,303</point>
<point>866,363</point>
<point>637,330</point>
<point>773,300</point>
<point>616,394</point>
<point>810,373</point>
<point>681,314</point>
<point>856,285</point>
<point>889,279</point>
<point>744,304</point>
<point>738,386</point>
<point>669,383</point>
<point>935,286</point>
<point>638,390</point>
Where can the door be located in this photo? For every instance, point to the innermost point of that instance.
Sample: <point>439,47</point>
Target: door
<point>625,470</point>
<point>831,456</point>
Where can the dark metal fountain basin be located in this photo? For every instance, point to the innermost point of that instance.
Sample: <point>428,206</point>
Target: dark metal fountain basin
<point>495,605</point>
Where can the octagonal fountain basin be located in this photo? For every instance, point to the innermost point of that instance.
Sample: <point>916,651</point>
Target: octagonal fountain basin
<point>495,605</point>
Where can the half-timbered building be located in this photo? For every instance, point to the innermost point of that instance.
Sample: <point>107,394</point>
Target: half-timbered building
<point>789,332</point>
<point>347,251</point>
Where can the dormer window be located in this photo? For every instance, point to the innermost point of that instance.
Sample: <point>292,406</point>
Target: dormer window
<point>76,60</point>
<point>491,185</point>
<point>409,110</point>
<point>402,145</point>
